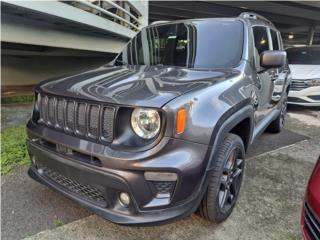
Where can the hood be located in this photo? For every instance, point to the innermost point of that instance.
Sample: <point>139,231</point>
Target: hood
<point>149,86</point>
<point>300,71</point>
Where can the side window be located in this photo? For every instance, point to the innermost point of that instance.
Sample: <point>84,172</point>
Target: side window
<point>274,37</point>
<point>261,41</point>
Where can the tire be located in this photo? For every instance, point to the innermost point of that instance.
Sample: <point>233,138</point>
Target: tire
<point>212,206</point>
<point>277,125</point>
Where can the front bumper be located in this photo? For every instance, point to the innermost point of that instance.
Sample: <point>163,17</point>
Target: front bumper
<point>117,173</point>
<point>309,223</point>
<point>305,97</point>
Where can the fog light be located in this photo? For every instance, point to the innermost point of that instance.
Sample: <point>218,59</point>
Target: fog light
<point>40,171</point>
<point>124,199</point>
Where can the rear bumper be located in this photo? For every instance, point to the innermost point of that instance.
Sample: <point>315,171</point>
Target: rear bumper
<point>187,160</point>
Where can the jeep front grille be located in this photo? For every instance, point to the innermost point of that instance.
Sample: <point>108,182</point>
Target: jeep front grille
<point>94,121</point>
<point>81,118</point>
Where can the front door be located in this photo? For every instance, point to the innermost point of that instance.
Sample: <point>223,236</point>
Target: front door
<point>264,78</point>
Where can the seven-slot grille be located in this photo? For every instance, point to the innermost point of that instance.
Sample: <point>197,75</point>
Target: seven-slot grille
<point>297,85</point>
<point>311,223</point>
<point>93,121</point>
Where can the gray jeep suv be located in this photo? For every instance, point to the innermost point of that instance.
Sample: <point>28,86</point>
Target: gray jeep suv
<point>162,130</point>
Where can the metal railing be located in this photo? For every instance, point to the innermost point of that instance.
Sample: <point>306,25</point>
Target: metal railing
<point>124,15</point>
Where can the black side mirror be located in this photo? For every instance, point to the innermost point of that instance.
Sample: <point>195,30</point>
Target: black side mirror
<point>273,59</point>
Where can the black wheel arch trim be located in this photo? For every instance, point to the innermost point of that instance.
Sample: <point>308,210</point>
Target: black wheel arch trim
<point>226,123</point>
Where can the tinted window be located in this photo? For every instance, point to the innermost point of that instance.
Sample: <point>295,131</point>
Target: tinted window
<point>260,39</point>
<point>196,44</point>
<point>275,42</point>
<point>304,55</point>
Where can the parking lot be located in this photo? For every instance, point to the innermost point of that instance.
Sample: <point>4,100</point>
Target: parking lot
<point>278,167</point>
<point>154,102</point>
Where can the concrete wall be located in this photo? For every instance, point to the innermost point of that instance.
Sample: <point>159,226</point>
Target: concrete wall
<point>29,70</point>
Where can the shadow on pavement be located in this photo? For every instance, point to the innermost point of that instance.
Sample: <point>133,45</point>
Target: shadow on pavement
<point>269,141</point>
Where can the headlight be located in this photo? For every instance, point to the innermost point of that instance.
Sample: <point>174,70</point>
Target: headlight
<point>312,82</point>
<point>145,122</point>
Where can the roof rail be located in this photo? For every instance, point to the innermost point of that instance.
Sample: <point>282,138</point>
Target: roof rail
<point>158,22</point>
<point>254,16</point>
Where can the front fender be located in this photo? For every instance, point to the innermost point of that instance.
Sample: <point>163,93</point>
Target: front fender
<point>208,109</point>
<point>225,124</point>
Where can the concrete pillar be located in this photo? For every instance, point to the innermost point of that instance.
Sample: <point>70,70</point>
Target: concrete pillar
<point>310,35</point>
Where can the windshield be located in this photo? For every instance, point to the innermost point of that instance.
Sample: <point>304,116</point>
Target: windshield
<point>194,44</point>
<point>309,56</point>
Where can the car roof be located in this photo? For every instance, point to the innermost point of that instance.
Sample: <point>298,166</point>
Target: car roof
<point>193,20</point>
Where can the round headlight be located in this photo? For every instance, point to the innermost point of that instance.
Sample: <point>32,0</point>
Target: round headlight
<point>145,122</point>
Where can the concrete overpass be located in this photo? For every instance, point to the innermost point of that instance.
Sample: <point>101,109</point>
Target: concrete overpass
<point>299,22</point>
<point>93,26</point>
<point>42,39</point>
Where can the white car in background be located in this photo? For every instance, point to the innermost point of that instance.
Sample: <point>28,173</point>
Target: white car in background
<point>304,63</point>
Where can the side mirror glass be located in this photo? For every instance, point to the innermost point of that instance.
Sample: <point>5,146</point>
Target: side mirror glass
<point>273,59</point>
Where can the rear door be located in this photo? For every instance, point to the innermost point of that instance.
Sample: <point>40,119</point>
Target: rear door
<point>280,74</point>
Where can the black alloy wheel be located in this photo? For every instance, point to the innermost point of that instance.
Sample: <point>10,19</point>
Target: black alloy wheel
<point>224,180</point>
<point>231,180</point>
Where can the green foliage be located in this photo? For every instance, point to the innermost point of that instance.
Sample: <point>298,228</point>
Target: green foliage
<point>17,99</point>
<point>13,148</point>
<point>58,222</point>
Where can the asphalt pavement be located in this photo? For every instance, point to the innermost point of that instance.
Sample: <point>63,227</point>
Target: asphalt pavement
<point>15,114</point>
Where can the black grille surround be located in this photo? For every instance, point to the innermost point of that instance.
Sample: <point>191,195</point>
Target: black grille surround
<point>93,121</point>
<point>311,223</point>
<point>84,191</point>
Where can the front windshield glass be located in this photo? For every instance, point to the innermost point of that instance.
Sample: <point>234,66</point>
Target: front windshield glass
<point>309,55</point>
<point>194,44</point>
